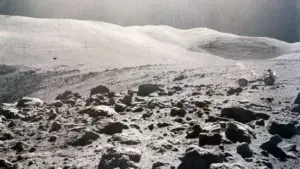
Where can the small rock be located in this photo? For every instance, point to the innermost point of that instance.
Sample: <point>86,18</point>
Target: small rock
<point>125,139</point>
<point>147,115</point>
<point>52,139</point>
<point>159,165</point>
<point>180,105</point>
<point>28,101</point>
<point>19,146</point>
<point>163,124</point>
<point>55,126</point>
<point>99,90</point>
<point>119,107</point>
<point>202,104</point>
<point>98,111</point>
<point>178,112</point>
<point>127,100</point>
<point>57,103</point>
<point>233,91</point>
<point>194,131</point>
<point>244,150</point>
<point>137,109</point>
<point>85,139</point>
<point>180,77</point>
<point>260,122</point>
<point>6,135</point>
<point>65,96</point>
<point>227,166</point>
<point>112,128</point>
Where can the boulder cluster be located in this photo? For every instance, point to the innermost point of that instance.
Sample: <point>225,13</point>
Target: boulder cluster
<point>155,127</point>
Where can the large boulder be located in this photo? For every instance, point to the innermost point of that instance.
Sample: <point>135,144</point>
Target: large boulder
<point>67,95</point>
<point>238,114</point>
<point>99,90</point>
<point>120,158</point>
<point>55,126</point>
<point>147,89</point>
<point>296,109</point>
<point>10,113</point>
<point>244,150</point>
<point>98,111</point>
<point>85,139</point>
<point>285,130</point>
<point>5,164</point>
<point>233,91</point>
<point>28,101</point>
<point>178,112</point>
<point>237,132</point>
<point>112,128</point>
<point>271,146</point>
<point>127,100</point>
<point>194,131</point>
<point>297,100</point>
<point>197,157</point>
<point>209,139</point>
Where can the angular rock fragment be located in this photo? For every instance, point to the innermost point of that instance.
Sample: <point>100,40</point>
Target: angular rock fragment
<point>112,128</point>
<point>197,157</point>
<point>98,111</point>
<point>10,113</point>
<point>127,100</point>
<point>120,158</point>
<point>209,139</point>
<point>285,130</point>
<point>147,89</point>
<point>55,126</point>
<point>119,107</point>
<point>56,103</point>
<point>238,114</point>
<point>227,166</point>
<point>5,164</point>
<point>233,91</point>
<point>28,101</point>
<point>67,95</point>
<point>271,147</point>
<point>160,165</point>
<point>244,150</point>
<point>99,90</point>
<point>178,112</point>
<point>194,131</point>
<point>297,100</point>
<point>238,133</point>
<point>85,139</point>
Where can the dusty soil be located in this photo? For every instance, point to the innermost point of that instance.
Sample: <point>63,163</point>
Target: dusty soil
<point>121,129</point>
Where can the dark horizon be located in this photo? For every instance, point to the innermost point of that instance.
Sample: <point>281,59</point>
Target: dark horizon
<point>276,18</point>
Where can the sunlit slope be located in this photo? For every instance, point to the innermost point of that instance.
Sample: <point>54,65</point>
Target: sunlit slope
<point>221,44</point>
<point>48,42</point>
<point>37,42</point>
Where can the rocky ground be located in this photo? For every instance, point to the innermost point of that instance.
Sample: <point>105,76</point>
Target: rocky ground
<point>158,117</point>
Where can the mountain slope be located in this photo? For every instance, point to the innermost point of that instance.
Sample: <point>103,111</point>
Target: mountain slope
<point>49,42</point>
